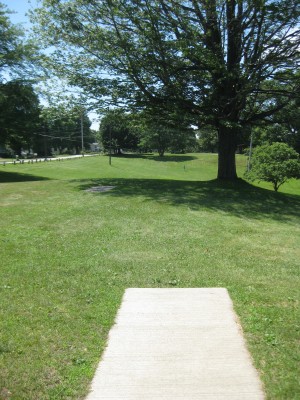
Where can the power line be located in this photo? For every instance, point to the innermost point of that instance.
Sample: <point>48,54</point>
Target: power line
<point>56,137</point>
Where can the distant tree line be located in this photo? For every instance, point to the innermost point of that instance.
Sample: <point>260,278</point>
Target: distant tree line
<point>283,127</point>
<point>27,127</point>
<point>121,131</point>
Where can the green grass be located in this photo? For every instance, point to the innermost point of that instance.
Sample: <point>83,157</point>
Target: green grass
<point>67,256</point>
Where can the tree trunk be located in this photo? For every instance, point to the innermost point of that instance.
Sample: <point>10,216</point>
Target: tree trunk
<point>17,148</point>
<point>227,148</point>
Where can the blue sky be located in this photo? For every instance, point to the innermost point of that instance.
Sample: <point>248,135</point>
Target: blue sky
<point>20,7</point>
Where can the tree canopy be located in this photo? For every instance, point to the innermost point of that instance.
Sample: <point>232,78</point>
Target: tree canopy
<point>221,62</point>
<point>64,128</point>
<point>284,126</point>
<point>19,104</point>
<point>19,55</point>
<point>19,115</point>
<point>117,131</point>
<point>164,132</point>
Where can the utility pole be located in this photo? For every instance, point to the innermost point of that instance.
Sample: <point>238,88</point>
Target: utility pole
<point>81,125</point>
<point>45,141</point>
<point>109,144</point>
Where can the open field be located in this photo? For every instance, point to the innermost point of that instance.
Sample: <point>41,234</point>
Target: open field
<point>67,255</point>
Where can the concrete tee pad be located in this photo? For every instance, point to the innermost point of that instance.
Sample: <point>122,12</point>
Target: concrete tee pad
<point>176,344</point>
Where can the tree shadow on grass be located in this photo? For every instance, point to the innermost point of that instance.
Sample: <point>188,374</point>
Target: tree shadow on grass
<point>6,177</point>
<point>239,198</point>
<point>166,158</point>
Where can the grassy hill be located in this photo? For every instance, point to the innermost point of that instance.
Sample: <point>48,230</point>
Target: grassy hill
<point>68,254</point>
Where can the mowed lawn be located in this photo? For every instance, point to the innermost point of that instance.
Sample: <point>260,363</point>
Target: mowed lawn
<point>67,256</point>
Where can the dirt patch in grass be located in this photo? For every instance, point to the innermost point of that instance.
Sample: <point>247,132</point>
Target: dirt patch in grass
<point>96,189</point>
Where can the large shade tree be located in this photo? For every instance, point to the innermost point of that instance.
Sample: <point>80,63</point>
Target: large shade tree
<point>19,115</point>
<point>210,59</point>
<point>19,104</point>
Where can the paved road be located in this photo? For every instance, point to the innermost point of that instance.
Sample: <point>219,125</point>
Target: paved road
<point>34,160</point>
<point>176,344</point>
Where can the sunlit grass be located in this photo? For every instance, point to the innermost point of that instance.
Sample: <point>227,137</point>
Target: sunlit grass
<point>67,256</point>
